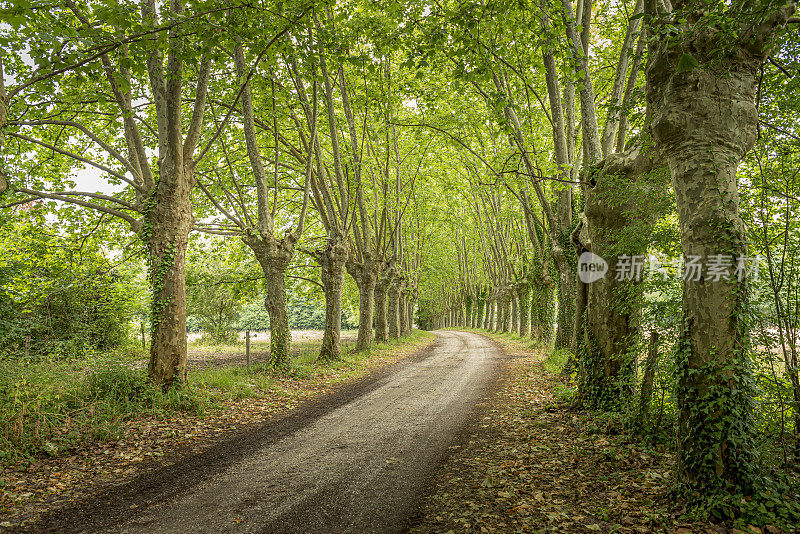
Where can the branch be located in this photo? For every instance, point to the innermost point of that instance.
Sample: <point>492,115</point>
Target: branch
<point>135,224</point>
<point>451,136</point>
<point>99,197</point>
<point>307,280</point>
<point>108,148</point>
<point>246,80</point>
<point>76,157</point>
<point>196,125</point>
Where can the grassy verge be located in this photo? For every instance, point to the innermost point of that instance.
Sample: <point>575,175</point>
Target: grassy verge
<point>73,428</point>
<point>53,408</point>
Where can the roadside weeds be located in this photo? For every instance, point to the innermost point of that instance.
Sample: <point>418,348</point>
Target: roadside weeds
<point>146,440</point>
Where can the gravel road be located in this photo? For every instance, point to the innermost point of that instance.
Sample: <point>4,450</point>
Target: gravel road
<point>360,466</point>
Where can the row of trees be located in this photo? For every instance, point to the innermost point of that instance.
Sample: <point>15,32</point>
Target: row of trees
<point>177,106</point>
<point>462,155</point>
<point>647,127</point>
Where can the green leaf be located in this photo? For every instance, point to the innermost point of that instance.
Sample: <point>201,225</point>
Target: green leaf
<point>687,63</point>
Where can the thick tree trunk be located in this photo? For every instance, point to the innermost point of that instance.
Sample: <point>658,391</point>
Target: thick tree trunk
<point>332,263</point>
<point>366,280</point>
<point>703,121</point>
<point>393,297</point>
<point>402,310</point>
<point>166,232</point>
<point>409,315</point>
<point>479,316</point>
<point>280,337</point>
<point>523,301</point>
<point>489,315</point>
<point>566,304</point>
<point>545,313</point>
<point>381,310</point>
<point>514,326</point>
<point>508,314</point>
<point>274,258</point>
<point>617,229</point>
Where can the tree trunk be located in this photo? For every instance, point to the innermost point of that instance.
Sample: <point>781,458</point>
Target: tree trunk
<point>509,308</point>
<point>566,304</point>
<point>703,120</point>
<point>514,327</point>
<point>393,316</point>
<point>366,280</point>
<point>646,390</point>
<point>489,315</point>
<point>617,229</point>
<point>545,313</point>
<point>402,310</point>
<point>381,310</point>
<point>479,315</point>
<point>166,232</point>
<point>332,262</point>
<point>523,301</point>
<point>274,258</point>
<point>409,315</point>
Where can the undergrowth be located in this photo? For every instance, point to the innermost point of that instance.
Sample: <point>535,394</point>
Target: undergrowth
<point>53,406</point>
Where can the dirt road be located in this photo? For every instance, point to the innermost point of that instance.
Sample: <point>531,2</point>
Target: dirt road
<point>360,467</point>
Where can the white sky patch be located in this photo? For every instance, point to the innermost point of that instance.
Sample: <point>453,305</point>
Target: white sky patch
<point>410,103</point>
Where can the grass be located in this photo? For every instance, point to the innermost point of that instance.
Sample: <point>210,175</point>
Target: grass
<point>54,406</point>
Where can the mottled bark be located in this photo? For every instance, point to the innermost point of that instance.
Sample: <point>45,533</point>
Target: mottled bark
<point>393,316</point>
<point>469,301</point>
<point>274,258</point>
<point>625,196</point>
<point>481,310</point>
<point>332,261</point>
<point>366,276</point>
<point>523,293</point>
<point>166,232</point>
<point>703,121</point>
<point>545,313</point>
<point>514,323</point>
<point>381,309</point>
<point>567,296</point>
<point>500,319</point>
<point>504,325</point>
<point>402,310</point>
<point>409,309</point>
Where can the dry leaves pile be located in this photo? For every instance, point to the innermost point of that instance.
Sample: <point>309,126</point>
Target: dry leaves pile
<point>536,466</point>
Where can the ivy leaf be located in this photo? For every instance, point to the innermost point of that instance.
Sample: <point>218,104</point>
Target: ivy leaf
<point>687,63</point>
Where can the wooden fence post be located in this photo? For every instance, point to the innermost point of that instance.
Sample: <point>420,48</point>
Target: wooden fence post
<point>247,346</point>
<point>144,340</point>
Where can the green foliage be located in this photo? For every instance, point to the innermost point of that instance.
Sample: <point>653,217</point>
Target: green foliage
<point>59,293</point>
<point>220,281</point>
<point>54,406</point>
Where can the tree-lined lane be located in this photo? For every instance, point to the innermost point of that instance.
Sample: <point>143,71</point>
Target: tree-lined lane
<point>360,468</point>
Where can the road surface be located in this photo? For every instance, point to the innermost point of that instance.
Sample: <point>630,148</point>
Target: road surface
<point>360,467</point>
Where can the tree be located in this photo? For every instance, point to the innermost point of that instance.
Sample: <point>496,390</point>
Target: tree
<point>701,97</point>
<point>226,191</point>
<point>156,201</point>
